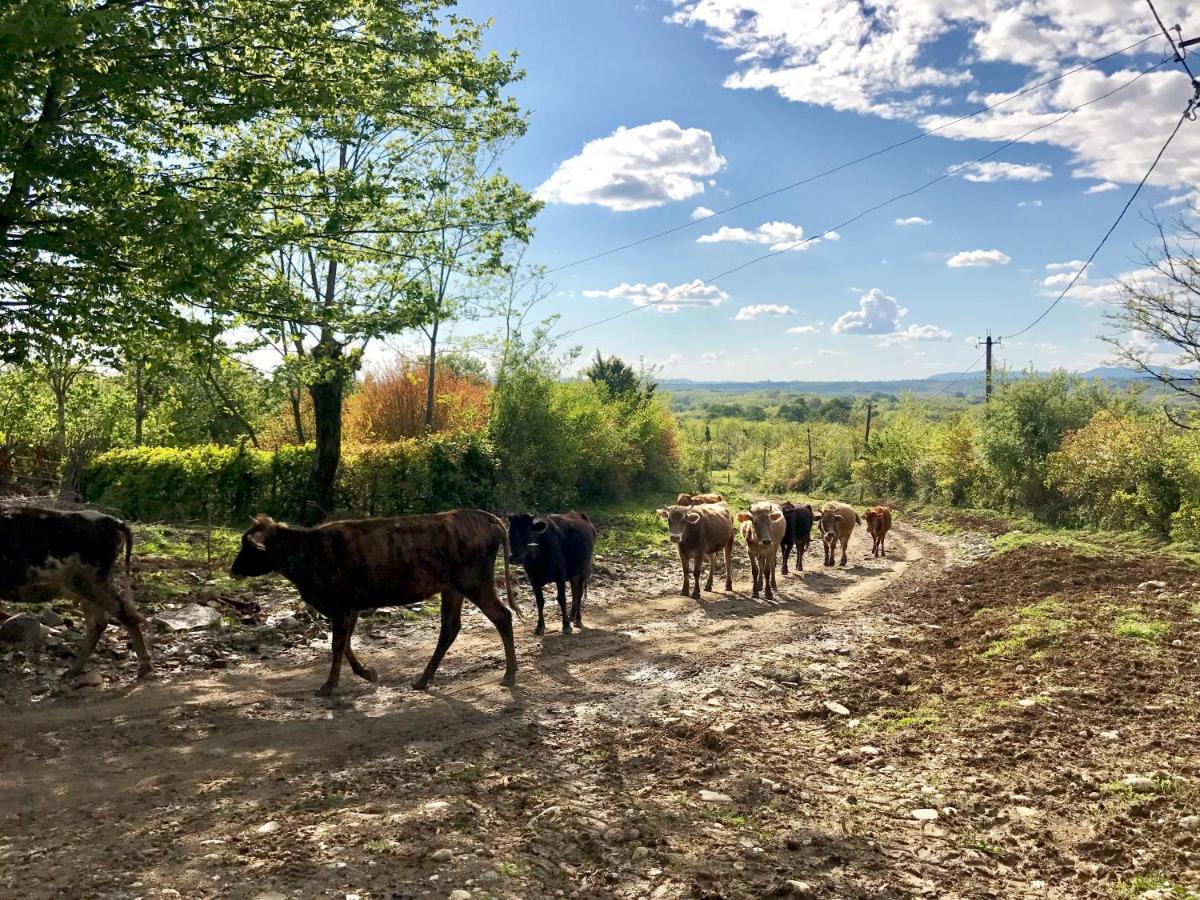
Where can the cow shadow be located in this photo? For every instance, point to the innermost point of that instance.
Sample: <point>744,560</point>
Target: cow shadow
<point>741,605</point>
<point>559,652</point>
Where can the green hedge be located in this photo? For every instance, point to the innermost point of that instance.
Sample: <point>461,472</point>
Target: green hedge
<point>227,484</point>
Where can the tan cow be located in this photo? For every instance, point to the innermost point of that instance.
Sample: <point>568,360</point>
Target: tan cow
<point>879,522</point>
<point>698,499</point>
<point>837,524</point>
<point>763,529</point>
<point>700,531</point>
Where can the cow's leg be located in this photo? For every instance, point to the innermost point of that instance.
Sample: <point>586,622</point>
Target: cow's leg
<point>883,544</point>
<point>712,567</point>
<point>487,601</point>
<point>754,574</point>
<point>540,598</point>
<point>95,621</point>
<point>358,668</point>
<point>729,565</point>
<point>341,639</point>
<point>578,583</point>
<point>131,621</point>
<point>845,544</point>
<point>801,546</point>
<point>774,583</point>
<point>697,565</point>
<point>451,623</point>
<point>683,561</point>
<point>787,549</point>
<point>562,605</point>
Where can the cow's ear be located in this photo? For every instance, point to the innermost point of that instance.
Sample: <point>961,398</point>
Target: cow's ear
<point>256,541</point>
<point>540,526</point>
<point>693,517</point>
<point>776,516</point>
<point>743,517</point>
<point>661,513</point>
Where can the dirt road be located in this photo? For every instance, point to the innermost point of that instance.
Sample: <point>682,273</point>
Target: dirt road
<point>673,748</point>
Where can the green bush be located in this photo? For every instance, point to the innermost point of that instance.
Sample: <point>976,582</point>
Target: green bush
<point>228,484</point>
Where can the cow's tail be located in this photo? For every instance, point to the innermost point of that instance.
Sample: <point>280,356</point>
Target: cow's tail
<point>508,591</point>
<point>128,533</point>
<point>857,520</point>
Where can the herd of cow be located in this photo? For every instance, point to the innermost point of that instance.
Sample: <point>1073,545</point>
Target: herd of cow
<point>342,568</point>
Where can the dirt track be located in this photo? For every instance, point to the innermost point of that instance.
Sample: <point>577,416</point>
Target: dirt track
<point>584,781</point>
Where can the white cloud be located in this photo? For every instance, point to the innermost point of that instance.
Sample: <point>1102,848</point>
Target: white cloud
<point>987,172</point>
<point>670,362</point>
<point>1102,187</point>
<point>764,309</point>
<point>636,168</point>
<point>702,212</point>
<point>890,59</point>
<point>714,357</point>
<point>1074,265</point>
<point>914,220</point>
<point>877,313</point>
<point>978,259</point>
<point>804,329</point>
<point>915,333</point>
<point>695,293</point>
<point>778,235</point>
<point>1030,203</point>
<point>828,352</point>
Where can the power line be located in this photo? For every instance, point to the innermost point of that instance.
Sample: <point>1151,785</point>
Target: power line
<point>1177,51</point>
<point>1107,234</point>
<point>849,163</point>
<point>954,170</point>
<point>961,375</point>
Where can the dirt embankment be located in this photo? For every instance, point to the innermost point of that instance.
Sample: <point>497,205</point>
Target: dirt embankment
<point>899,728</point>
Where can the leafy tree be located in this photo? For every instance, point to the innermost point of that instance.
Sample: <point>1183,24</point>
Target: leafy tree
<point>349,200</point>
<point>795,410</point>
<point>619,378</point>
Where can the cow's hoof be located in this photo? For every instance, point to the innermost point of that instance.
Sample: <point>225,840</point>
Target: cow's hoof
<point>146,671</point>
<point>324,690</point>
<point>754,595</point>
<point>695,595</point>
<point>579,624</point>
<point>539,631</point>
<point>421,683</point>
<point>509,680</point>
<point>685,593</point>
<point>370,674</point>
<point>566,627</point>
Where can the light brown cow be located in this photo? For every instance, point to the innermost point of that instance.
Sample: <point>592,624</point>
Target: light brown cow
<point>698,499</point>
<point>763,529</point>
<point>879,522</point>
<point>837,524</point>
<point>700,531</point>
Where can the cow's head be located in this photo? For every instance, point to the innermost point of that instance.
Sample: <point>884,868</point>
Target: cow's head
<point>683,500</point>
<point>761,515</point>
<point>254,557</point>
<point>678,518</point>
<point>524,533</point>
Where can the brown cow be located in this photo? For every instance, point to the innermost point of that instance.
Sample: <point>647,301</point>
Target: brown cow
<point>879,522</point>
<point>698,499</point>
<point>342,568</point>
<point>699,531</point>
<point>837,524</point>
<point>763,530</point>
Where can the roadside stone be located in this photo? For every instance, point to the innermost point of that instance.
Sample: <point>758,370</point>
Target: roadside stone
<point>270,895</point>
<point>715,797</point>
<point>925,815</point>
<point>89,680</point>
<point>1190,823</point>
<point>269,827</point>
<point>50,618</point>
<point>836,708</point>
<point>288,623</point>
<point>491,876</point>
<point>187,618</point>
<point>445,854</point>
<point>1140,784</point>
<point>640,853</point>
<point>1152,586</point>
<point>459,894</point>
<point>793,888</point>
<point>23,628</point>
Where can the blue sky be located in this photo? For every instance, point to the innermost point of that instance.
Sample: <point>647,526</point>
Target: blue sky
<point>643,112</point>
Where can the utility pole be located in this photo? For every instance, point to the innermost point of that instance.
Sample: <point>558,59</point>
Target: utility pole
<point>811,476</point>
<point>988,344</point>
<point>867,437</point>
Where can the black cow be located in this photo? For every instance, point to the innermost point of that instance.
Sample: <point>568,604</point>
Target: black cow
<point>342,568</point>
<point>46,553</point>
<point>798,534</point>
<point>555,548</point>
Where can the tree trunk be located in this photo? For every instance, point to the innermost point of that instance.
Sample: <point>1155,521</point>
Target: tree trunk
<point>327,394</point>
<point>60,422</point>
<point>139,404</point>
<point>297,414</point>
<point>430,391</point>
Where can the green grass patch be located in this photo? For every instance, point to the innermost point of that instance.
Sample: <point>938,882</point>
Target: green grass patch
<point>1137,885</point>
<point>470,774</point>
<point>1037,626</point>
<point>1133,625</point>
<point>927,717</point>
<point>983,846</point>
<point>725,817</point>
<point>379,847</point>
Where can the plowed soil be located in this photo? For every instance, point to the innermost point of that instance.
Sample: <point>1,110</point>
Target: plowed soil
<point>908,726</point>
